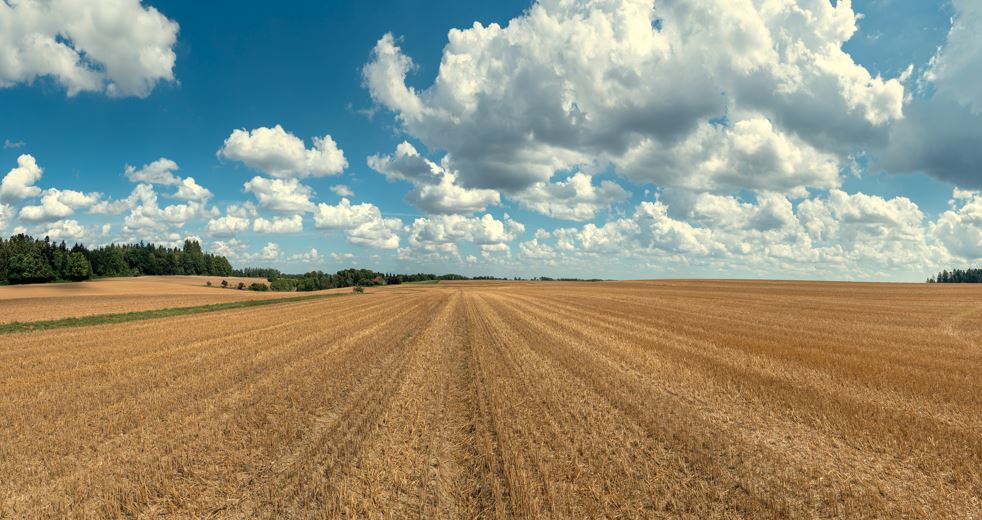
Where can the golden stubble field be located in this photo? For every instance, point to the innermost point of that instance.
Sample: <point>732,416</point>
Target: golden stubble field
<point>115,295</point>
<point>629,399</point>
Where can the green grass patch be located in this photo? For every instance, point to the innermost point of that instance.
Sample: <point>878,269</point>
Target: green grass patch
<point>102,319</point>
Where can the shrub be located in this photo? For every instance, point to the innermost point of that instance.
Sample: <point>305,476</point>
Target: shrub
<point>241,285</point>
<point>258,287</point>
<point>358,289</point>
<point>208,283</point>
<point>224,283</point>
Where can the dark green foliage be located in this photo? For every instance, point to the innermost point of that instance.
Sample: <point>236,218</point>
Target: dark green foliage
<point>282,285</point>
<point>259,287</point>
<point>78,267</point>
<point>358,289</point>
<point>319,281</point>
<point>29,267</point>
<point>256,272</point>
<point>241,286</point>
<point>24,259</point>
<point>957,276</point>
<point>224,283</point>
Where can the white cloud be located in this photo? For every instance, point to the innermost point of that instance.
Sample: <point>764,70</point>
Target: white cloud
<point>66,230</point>
<point>286,195</point>
<point>839,234</point>
<point>190,190</point>
<point>269,252</point>
<point>292,224</point>
<point>443,233</point>
<point>147,218</point>
<point>362,224</point>
<point>118,47</point>
<point>19,182</point>
<point>57,204</point>
<point>960,228</point>
<point>12,145</point>
<point>536,251</point>
<point>160,171</point>
<point>245,210</point>
<point>342,191</point>
<point>278,153</point>
<point>748,154</point>
<point>437,190</point>
<point>307,257</point>
<point>227,226</point>
<point>572,83</point>
<point>575,198</point>
<point>6,213</point>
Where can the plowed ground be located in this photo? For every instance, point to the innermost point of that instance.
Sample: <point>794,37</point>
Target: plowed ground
<point>681,399</point>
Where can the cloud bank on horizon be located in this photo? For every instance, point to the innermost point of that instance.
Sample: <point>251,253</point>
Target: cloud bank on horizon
<point>606,138</point>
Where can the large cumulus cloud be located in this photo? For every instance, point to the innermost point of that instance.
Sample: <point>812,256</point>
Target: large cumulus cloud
<point>640,85</point>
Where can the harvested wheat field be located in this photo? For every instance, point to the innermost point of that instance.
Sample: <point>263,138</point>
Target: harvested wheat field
<point>112,295</point>
<point>460,400</point>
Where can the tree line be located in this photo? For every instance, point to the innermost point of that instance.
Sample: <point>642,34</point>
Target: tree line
<point>318,280</point>
<point>24,259</point>
<point>957,276</point>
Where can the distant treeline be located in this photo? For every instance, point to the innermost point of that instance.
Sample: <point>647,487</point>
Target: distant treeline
<point>24,259</point>
<point>957,276</point>
<point>317,280</point>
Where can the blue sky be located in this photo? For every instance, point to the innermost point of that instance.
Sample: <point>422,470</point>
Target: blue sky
<point>571,139</point>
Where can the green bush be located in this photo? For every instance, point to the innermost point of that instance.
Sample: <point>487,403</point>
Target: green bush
<point>358,289</point>
<point>241,285</point>
<point>259,287</point>
<point>224,283</point>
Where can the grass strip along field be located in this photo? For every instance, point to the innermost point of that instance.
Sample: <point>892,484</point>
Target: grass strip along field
<point>123,317</point>
<point>504,400</point>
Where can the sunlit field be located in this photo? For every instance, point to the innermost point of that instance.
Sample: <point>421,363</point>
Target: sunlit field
<point>627,399</point>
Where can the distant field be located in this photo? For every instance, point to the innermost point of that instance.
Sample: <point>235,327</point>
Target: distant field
<point>464,399</point>
<point>111,295</point>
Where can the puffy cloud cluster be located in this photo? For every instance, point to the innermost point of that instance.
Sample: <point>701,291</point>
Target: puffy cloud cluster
<point>118,47</point>
<point>437,190</point>
<point>636,83</point>
<point>146,220</point>
<point>444,233</point>
<point>278,153</point>
<point>960,228</point>
<point>362,224</point>
<point>292,224</point>
<point>830,234</point>
<point>227,226</point>
<point>307,257</point>
<point>160,171</point>
<point>285,195</point>
<point>19,182</point>
<point>57,204</point>
<point>575,198</point>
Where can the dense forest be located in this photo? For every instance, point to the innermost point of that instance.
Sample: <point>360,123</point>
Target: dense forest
<point>957,276</point>
<point>24,259</point>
